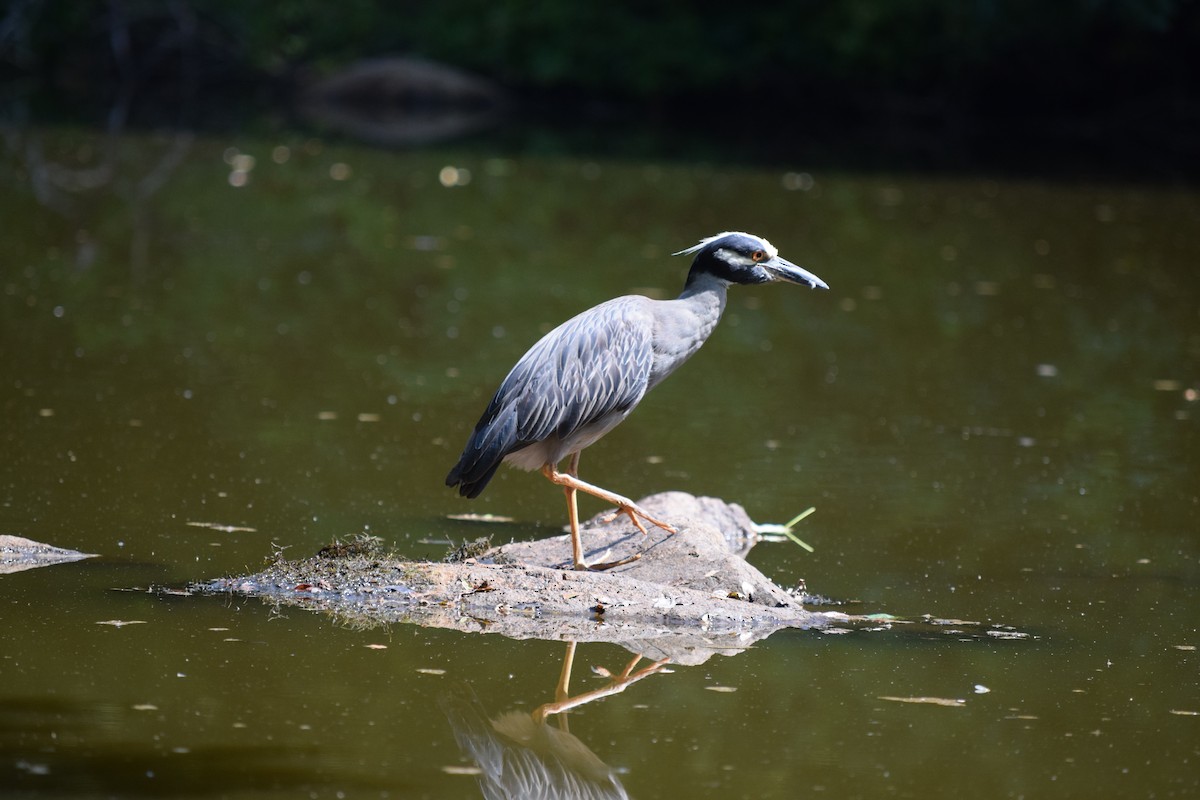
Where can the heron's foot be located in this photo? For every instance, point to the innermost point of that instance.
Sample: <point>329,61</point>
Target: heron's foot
<point>636,514</point>
<point>603,565</point>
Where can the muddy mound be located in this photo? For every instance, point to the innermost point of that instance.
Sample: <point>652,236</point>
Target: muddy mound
<point>688,595</point>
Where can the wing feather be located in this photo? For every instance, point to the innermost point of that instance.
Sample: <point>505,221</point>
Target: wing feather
<point>593,365</point>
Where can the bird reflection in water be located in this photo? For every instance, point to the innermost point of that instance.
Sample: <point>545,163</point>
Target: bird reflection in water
<point>520,755</point>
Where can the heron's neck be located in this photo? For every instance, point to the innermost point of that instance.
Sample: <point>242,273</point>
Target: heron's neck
<point>683,324</point>
<point>705,296</point>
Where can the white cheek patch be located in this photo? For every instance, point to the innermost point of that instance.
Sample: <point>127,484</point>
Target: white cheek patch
<point>733,258</point>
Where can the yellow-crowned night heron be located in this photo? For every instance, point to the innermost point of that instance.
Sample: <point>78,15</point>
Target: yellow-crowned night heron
<point>585,376</point>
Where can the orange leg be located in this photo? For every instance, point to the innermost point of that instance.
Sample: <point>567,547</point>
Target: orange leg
<point>573,514</point>
<point>571,484</point>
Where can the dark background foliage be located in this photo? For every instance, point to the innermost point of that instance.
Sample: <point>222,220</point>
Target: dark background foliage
<point>1129,61</point>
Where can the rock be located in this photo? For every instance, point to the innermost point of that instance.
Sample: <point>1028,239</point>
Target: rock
<point>690,594</point>
<point>18,554</point>
<point>706,555</point>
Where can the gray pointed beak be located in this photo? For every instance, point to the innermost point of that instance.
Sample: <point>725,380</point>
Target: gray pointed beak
<point>783,270</point>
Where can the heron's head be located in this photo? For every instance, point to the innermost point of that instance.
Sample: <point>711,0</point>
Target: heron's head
<point>745,258</point>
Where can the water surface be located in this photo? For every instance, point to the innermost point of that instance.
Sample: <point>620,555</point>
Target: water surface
<point>218,347</point>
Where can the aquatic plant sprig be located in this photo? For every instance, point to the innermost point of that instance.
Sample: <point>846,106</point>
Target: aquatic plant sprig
<point>786,528</point>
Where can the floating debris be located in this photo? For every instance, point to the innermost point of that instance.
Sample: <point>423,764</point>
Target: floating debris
<point>121,623</point>
<point>218,526</point>
<point>480,518</point>
<point>955,622</point>
<point>950,702</point>
<point>1007,634</point>
<point>460,770</point>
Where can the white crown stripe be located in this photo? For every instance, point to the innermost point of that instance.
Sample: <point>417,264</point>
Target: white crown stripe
<point>767,246</point>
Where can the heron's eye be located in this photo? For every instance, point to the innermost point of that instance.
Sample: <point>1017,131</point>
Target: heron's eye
<point>758,255</point>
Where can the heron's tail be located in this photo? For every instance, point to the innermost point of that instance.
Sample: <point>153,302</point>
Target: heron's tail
<point>490,442</point>
<point>470,486</point>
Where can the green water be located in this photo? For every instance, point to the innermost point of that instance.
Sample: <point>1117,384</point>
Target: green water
<point>994,411</point>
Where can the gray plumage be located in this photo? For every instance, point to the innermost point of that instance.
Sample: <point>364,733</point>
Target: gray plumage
<point>577,383</point>
<point>584,377</point>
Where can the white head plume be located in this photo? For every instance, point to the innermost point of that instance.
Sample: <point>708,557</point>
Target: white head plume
<point>770,249</point>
